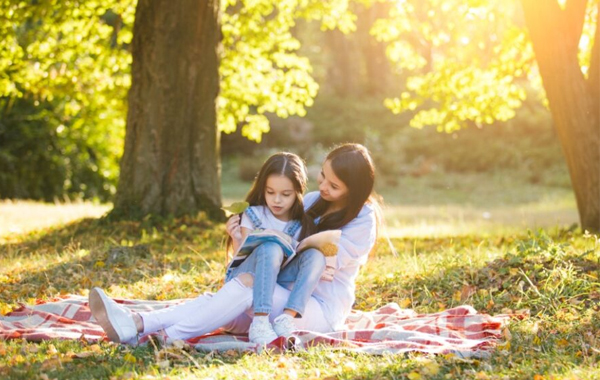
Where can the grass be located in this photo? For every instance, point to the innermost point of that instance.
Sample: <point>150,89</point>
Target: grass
<point>497,267</point>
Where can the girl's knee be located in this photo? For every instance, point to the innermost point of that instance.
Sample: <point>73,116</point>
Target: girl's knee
<point>246,279</point>
<point>270,250</point>
<point>270,247</point>
<point>314,257</point>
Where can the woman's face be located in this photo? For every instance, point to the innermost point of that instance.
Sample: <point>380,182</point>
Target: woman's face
<point>332,188</point>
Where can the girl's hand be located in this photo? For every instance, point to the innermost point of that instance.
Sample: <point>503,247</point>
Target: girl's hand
<point>233,228</point>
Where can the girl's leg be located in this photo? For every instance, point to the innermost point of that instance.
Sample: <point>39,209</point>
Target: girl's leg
<point>302,275</point>
<point>266,259</point>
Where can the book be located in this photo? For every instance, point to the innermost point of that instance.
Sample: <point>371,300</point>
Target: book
<point>325,241</point>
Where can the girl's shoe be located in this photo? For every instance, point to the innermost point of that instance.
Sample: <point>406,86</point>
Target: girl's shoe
<point>116,320</point>
<point>284,325</point>
<point>261,331</point>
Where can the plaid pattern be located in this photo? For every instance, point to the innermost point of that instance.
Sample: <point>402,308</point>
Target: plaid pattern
<point>390,329</point>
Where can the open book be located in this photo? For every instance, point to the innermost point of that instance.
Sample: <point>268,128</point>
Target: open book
<point>323,241</point>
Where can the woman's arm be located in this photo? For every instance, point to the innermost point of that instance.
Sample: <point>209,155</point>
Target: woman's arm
<point>358,239</point>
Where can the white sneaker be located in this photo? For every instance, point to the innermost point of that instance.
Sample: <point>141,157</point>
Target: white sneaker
<point>284,325</point>
<point>261,331</point>
<point>114,319</point>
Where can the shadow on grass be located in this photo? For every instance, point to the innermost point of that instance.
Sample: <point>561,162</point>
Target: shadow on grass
<point>114,362</point>
<point>94,252</point>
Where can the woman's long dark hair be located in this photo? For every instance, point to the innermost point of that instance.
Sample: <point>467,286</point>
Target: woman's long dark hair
<point>291,166</point>
<point>353,165</point>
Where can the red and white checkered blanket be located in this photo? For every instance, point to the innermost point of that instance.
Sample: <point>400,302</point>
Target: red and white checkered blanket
<point>460,330</point>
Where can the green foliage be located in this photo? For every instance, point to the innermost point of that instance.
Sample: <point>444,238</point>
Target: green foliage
<point>70,60</point>
<point>44,155</point>
<point>65,75</point>
<point>468,61</point>
<point>261,71</point>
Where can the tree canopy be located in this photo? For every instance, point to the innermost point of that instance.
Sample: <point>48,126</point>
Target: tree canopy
<point>468,62</point>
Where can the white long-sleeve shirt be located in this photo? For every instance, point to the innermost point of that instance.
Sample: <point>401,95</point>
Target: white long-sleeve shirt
<point>357,240</point>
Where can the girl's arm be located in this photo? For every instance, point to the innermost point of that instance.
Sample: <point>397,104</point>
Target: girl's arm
<point>236,231</point>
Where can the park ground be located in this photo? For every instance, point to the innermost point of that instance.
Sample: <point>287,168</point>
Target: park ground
<point>499,243</point>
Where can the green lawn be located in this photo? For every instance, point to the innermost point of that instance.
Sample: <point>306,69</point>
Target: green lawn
<point>449,253</point>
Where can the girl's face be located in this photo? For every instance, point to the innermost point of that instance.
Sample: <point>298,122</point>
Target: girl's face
<point>280,196</point>
<point>332,188</point>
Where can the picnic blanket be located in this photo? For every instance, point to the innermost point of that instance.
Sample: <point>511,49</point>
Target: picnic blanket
<point>390,329</point>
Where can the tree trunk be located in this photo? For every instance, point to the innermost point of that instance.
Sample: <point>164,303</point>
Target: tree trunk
<point>377,65</point>
<point>573,99</point>
<point>171,163</point>
<point>343,69</point>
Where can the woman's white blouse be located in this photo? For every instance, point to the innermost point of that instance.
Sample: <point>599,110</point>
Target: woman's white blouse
<point>357,240</point>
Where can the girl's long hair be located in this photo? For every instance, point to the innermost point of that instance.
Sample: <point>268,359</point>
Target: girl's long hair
<point>291,166</point>
<point>353,165</point>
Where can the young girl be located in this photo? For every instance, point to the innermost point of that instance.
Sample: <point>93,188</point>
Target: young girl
<point>275,203</point>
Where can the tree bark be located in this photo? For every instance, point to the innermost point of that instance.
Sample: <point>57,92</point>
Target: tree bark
<point>343,69</point>
<point>377,65</point>
<point>171,163</point>
<point>572,98</point>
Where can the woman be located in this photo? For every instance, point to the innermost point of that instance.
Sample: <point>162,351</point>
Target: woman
<point>344,201</point>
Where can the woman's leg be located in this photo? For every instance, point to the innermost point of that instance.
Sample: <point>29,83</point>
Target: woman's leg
<point>313,318</point>
<point>219,310</point>
<point>234,297</point>
<point>161,319</point>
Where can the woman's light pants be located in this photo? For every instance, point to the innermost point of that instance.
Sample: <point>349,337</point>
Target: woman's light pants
<point>232,306</point>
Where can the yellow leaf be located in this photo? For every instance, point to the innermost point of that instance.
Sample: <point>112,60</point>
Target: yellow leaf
<point>350,366</point>
<point>562,343</point>
<point>99,264</point>
<point>457,296</point>
<point>130,358</point>
<point>405,303</point>
<point>52,350</point>
<point>431,368</point>
<point>414,376</point>
<point>95,348</point>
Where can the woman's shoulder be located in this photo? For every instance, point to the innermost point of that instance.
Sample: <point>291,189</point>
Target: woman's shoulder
<point>366,218</point>
<point>310,199</point>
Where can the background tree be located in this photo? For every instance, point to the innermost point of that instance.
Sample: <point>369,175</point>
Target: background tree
<point>72,60</point>
<point>170,164</point>
<point>573,92</point>
<point>472,63</point>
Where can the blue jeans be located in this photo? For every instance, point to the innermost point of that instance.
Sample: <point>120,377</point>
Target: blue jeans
<point>301,276</point>
<point>263,264</point>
